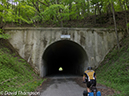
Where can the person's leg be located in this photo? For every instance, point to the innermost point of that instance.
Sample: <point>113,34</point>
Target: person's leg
<point>94,83</point>
<point>88,89</point>
<point>88,86</point>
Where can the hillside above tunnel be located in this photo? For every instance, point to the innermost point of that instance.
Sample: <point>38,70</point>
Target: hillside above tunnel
<point>94,21</point>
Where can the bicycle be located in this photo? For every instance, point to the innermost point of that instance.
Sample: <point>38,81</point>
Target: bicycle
<point>92,89</point>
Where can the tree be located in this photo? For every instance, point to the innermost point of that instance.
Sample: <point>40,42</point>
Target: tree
<point>34,11</point>
<point>8,14</point>
<point>55,13</point>
<point>113,11</point>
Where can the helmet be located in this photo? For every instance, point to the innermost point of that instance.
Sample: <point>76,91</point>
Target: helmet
<point>89,68</point>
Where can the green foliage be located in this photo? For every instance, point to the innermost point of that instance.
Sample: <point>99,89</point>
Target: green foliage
<point>27,13</point>
<point>114,70</point>
<point>55,13</point>
<point>3,35</point>
<point>8,14</point>
<point>51,11</point>
<point>15,74</point>
<point>128,24</point>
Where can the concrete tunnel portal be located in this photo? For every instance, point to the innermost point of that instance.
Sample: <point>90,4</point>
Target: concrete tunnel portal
<point>66,54</point>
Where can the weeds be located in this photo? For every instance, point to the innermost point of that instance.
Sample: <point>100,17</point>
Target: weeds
<point>15,75</point>
<point>114,70</point>
<point>2,35</point>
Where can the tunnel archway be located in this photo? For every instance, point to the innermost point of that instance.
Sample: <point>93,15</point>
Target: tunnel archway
<point>66,54</point>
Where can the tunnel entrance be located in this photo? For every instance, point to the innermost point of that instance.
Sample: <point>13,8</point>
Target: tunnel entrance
<point>68,55</point>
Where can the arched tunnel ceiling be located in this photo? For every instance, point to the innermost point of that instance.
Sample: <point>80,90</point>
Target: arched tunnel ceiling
<point>66,54</point>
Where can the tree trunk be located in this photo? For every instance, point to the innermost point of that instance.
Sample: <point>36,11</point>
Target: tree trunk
<point>70,6</point>
<point>16,12</point>
<point>61,20</point>
<point>84,12</point>
<point>88,7</point>
<point>77,11</point>
<point>113,11</point>
<point>109,8</point>
<point>126,22</point>
<point>94,20</point>
<point>83,9</point>
<point>19,12</point>
<point>99,9</point>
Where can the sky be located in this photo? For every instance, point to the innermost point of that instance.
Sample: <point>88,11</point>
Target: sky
<point>10,1</point>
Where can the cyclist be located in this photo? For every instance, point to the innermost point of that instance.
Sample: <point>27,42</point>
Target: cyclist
<point>89,77</point>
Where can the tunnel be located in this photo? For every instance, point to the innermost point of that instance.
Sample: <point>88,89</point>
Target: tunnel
<point>68,55</point>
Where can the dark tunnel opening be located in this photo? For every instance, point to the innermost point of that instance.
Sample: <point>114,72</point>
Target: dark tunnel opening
<point>66,54</point>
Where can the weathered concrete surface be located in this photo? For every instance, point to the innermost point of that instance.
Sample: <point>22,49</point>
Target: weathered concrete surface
<point>37,45</point>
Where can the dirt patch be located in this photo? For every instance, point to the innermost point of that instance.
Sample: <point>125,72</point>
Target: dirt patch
<point>46,83</point>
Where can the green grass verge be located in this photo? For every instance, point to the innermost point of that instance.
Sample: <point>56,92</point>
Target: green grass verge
<point>16,74</point>
<point>114,70</point>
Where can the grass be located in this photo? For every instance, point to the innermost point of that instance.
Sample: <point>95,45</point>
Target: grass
<point>16,75</point>
<point>114,70</point>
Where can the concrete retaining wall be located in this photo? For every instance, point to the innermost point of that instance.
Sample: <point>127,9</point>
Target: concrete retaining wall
<point>31,43</point>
